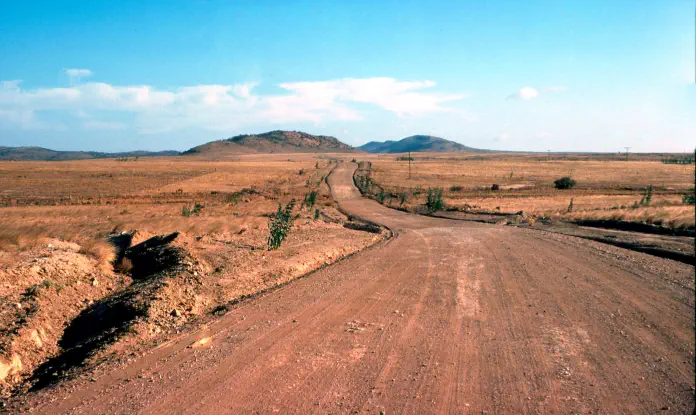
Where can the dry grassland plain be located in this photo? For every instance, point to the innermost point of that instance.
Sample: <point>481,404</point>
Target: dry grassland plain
<point>55,218</point>
<point>607,187</point>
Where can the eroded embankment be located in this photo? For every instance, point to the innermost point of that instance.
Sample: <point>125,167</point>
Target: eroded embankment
<point>71,311</point>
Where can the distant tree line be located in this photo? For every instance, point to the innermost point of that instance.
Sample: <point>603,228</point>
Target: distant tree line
<point>679,160</point>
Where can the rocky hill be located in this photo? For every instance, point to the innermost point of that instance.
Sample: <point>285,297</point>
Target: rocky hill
<point>417,143</point>
<point>274,142</point>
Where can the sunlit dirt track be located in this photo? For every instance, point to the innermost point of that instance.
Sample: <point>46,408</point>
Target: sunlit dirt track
<point>446,317</point>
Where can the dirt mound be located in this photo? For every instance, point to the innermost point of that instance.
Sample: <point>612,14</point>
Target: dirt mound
<point>101,324</point>
<point>46,287</point>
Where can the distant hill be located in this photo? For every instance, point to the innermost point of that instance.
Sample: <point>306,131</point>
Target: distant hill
<point>417,143</point>
<point>274,142</point>
<point>44,154</point>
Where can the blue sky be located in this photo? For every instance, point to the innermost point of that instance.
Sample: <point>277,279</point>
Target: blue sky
<point>562,75</point>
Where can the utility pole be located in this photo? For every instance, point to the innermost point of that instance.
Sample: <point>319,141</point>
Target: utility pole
<point>409,165</point>
<point>548,155</point>
<point>627,148</point>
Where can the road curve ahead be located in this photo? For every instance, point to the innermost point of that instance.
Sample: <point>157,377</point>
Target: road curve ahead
<point>446,317</point>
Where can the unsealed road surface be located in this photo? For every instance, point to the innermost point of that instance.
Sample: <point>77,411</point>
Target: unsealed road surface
<point>446,317</point>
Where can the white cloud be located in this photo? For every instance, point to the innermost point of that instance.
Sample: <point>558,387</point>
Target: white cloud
<point>525,93</point>
<point>222,107</point>
<point>78,73</point>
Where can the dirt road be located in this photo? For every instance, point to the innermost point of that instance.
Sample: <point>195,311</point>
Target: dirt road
<point>447,317</point>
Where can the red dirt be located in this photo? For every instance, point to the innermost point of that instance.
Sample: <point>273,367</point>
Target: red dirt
<point>447,317</point>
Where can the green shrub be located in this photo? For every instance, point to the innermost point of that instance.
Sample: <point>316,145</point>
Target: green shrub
<point>456,188</point>
<point>647,196</point>
<point>564,183</point>
<point>434,201</point>
<point>195,210</point>
<point>280,225</point>
<point>403,196</point>
<point>316,214</point>
<point>495,187</point>
<point>381,196</point>
<point>689,199</point>
<point>310,198</point>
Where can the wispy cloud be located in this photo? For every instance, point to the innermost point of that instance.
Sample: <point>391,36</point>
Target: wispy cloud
<point>528,92</point>
<point>525,93</point>
<point>220,107</point>
<point>77,73</point>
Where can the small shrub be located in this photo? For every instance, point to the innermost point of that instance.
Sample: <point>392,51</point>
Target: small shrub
<point>195,210</point>
<point>689,199</point>
<point>403,196</point>
<point>353,161</point>
<point>456,188</point>
<point>316,214</point>
<point>564,183</point>
<point>301,172</point>
<point>381,196</point>
<point>280,225</point>
<point>495,187</point>
<point>310,198</point>
<point>404,158</point>
<point>316,166</point>
<point>647,196</point>
<point>570,205</point>
<point>434,201</point>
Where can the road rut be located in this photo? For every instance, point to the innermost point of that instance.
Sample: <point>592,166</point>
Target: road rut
<point>446,317</point>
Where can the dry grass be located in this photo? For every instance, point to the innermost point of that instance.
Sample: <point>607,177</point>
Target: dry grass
<point>83,201</point>
<point>676,217</point>
<point>607,187</point>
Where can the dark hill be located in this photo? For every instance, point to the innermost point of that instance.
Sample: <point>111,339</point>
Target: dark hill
<point>44,154</point>
<point>416,143</point>
<point>274,142</point>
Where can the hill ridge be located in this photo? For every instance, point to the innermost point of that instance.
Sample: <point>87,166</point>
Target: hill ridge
<point>276,141</point>
<point>418,142</point>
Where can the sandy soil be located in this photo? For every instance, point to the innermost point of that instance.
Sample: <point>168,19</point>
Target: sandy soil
<point>447,317</point>
<point>55,263</point>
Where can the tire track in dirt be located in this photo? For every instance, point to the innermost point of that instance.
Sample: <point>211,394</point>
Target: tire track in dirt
<point>447,317</point>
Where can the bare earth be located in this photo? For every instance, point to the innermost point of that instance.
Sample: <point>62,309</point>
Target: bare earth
<point>447,317</point>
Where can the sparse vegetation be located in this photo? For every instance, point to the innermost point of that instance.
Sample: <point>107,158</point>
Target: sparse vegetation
<point>434,201</point>
<point>647,196</point>
<point>689,198</point>
<point>456,188</point>
<point>404,158</point>
<point>570,205</point>
<point>310,199</point>
<point>194,210</point>
<point>564,183</point>
<point>495,187</point>
<point>280,225</point>
<point>403,196</point>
